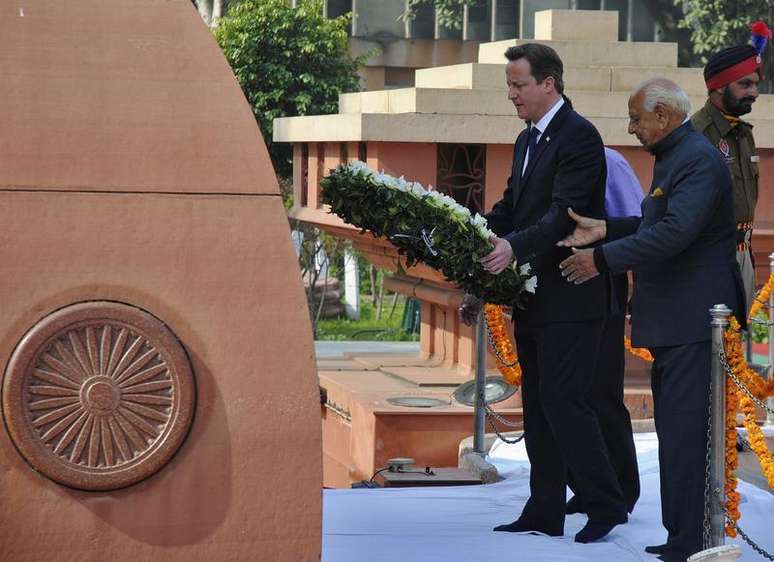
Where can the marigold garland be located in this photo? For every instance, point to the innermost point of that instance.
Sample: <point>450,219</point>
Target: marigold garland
<point>507,360</point>
<point>732,459</point>
<point>762,298</point>
<point>640,352</point>
<point>757,440</point>
<point>736,401</point>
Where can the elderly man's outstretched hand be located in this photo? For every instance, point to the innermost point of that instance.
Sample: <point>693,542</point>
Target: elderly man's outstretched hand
<point>587,231</point>
<point>579,267</point>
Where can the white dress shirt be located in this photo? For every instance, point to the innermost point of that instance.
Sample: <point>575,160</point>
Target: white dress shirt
<point>541,126</point>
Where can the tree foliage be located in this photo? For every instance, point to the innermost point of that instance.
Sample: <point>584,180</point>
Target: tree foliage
<point>715,24</point>
<point>448,12</point>
<point>289,61</point>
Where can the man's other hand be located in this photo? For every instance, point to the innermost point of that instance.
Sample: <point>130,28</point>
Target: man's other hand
<point>469,309</point>
<point>587,231</point>
<point>499,258</point>
<point>579,267</point>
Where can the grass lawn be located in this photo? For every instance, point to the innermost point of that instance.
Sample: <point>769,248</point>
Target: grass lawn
<point>368,328</point>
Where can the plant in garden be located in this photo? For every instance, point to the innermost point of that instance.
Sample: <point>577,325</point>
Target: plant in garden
<point>425,226</point>
<point>288,61</point>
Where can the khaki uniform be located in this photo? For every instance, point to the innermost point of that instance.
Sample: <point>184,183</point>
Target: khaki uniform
<point>737,145</point>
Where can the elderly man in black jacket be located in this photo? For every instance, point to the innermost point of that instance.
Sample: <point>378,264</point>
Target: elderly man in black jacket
<point>682,254</point>
<point>558,162</point>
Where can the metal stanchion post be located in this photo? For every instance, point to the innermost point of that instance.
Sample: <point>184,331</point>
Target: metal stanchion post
<point>769,417</point>
<point>478,430</point>
<point>717,457</point>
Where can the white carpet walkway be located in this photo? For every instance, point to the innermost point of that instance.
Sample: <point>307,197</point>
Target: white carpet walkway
<point>455,524</point>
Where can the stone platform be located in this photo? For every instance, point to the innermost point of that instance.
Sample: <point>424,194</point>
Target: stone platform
<point>362,429</point>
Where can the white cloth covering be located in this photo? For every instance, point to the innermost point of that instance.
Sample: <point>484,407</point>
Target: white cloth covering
<point>453,524</point>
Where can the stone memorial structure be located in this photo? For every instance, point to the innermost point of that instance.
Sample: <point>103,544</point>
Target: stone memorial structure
<point>159,396</point>
<point>455,130</point>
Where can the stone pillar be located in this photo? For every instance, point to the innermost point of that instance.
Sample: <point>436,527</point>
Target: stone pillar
<point>159,390</point>
<point>351,285</point>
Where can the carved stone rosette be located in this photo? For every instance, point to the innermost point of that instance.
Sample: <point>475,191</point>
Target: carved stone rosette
<point>98,395</point>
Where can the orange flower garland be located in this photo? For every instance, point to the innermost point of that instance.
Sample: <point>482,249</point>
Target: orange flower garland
<point>761,388</point>
<point>640,352</point>
<point>735,401</point>
<point>757,440</point>
<point>507,360</point>
<point>762,298</point>
<point>732,459</point>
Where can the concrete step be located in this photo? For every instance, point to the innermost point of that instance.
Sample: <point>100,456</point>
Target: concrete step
<point>592,53</point>
<point>434,127</point>
<point>493,102</point>
<point>479,76</point>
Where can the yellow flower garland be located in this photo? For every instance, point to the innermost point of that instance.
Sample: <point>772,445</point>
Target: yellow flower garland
<point>762,298</point>
<point>732,459</point>
<point>736,401</point>
<point>507,360</point>
<point>640,352</point>
<point>757,440</point>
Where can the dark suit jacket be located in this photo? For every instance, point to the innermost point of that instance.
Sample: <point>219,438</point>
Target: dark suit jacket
<point>682,251</point>
<point>567,170</point>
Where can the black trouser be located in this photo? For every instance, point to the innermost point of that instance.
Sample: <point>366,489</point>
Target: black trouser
<point>606,398</point>
<point>681,382</point>
<point>561,429</point>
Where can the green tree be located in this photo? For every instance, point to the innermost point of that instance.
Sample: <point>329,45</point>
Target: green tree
<point>716,24</point>
<point>289,61</point>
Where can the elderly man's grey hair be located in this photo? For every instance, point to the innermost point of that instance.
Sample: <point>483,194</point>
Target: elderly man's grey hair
<point>664,91</point>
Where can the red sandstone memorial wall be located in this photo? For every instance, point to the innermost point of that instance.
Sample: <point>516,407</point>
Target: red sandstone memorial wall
<point>160,398</point>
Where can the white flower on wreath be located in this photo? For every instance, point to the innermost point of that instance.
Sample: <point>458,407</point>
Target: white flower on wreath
<point>530,285</point>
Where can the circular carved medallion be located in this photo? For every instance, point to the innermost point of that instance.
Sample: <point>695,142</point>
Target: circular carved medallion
<point>98,395</point>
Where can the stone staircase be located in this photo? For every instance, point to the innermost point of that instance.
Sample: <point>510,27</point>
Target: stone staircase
<point>468,102</point>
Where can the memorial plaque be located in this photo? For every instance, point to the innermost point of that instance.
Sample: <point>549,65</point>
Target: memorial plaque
<point>98,395</point>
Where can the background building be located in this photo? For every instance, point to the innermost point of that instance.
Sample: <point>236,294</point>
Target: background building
<point>401,46</point>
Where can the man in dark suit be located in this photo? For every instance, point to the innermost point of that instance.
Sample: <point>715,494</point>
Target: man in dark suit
<point>558,163</point>
<point>682,254</point>
<point>623,195</point>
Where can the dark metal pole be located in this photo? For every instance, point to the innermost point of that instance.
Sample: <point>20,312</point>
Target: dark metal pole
<point>717,468</point>
<point>478,429</point>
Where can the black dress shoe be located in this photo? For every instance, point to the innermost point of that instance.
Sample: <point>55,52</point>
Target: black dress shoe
<point>595,530</point>
<point>519,527</point>
<point>574,506</point>
<point>656,549</point>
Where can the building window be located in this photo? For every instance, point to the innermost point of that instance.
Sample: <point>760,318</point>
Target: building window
<point>336,8</point>
<point>506,24</point>
<point>443,32</point>
<point>423,25</point>
<point>362,151</point>
<point>343,152</point>
<point>461,173</point>
<point>478,22</point>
